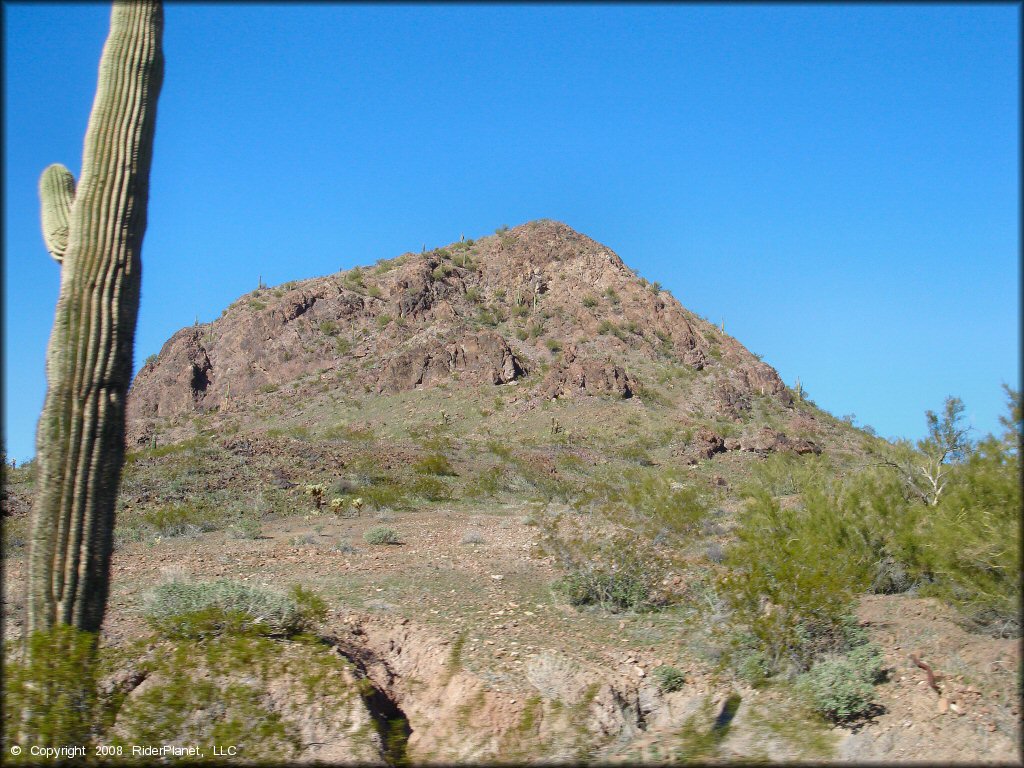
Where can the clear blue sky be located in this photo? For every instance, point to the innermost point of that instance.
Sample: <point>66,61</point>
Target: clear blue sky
<point>839,183</point>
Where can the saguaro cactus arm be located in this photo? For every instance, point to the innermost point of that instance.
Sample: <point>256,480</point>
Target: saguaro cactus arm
<point>80,441</point>
<point>56,193</point>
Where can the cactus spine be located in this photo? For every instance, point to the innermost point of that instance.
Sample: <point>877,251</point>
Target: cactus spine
<point>96,233</point>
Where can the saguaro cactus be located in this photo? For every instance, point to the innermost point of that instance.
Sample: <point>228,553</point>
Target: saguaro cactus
<point>96,233</point>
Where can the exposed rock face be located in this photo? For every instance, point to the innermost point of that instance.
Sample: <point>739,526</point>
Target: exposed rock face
<point>486,357</point>
<point>180,381</point>
<point>706,443</point>
<point>580,375</point>
<point>465,315</point>
<point>768,440</point>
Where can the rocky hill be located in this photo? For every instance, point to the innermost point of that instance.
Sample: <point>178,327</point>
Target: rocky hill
<point>538,299</point>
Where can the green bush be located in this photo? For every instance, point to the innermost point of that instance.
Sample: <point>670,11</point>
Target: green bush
<point>650,497</point>
<point>246,528</point>
<point>970,541</point>
<point>485,484</point>
<point>613,574</point>
<point>794,575</point>
<point>430,488</point>
<point>589,301</point>
<point>842,688</point>
<point>54,689</point>
<point>186,519</point>
<point>381,534</point>
<point>434,464</point>
<point>611,590</point>
<point>328,327</point>
<point>204,609</point>
<point>668,678</point>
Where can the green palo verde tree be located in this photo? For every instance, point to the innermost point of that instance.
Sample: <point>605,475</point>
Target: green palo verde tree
<point>95,232</point>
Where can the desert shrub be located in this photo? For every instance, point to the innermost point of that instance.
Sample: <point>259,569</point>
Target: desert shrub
<point>176,520</point>
<point>637,452</point>
<point>748,660</point>
<point>353,432</point>
<point>430,488</point>
<point>381,534</point>
<point>215,692</point>
<point>714,553</point>
<point>485,484</point>
<point>384,320</point>
<point>54,688</point>
<point>794,574</point>
<point>613,574</point>
<point>545,486</point>
<point>499,449</point>
<point>490,316</point>
<point>345,547</point>
<point>589,301</point>
<point>668,678</point>
<point>842,687</point>
<point>553,345</point>
<point>203,609</point>
<point>784,474</point>
<point>970,540</point>
<point>472,537</point>
<point>649,496</point>
<point>355,277</point>
<point>328,327</point>
<point>387,495</point>
<point>246,528</point>
<point>611,590</point>
<point>434,464</point>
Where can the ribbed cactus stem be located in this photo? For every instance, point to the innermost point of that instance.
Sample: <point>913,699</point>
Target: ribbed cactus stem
<point>56,194</point>
<point>80,441</point>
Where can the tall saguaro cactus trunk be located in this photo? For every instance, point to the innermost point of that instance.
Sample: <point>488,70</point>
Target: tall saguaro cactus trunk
<point>95,232</point>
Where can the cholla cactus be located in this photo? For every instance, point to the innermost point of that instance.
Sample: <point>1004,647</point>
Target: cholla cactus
<point>317,493</point>
<point>336,504</point>
<point>95,232</point>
